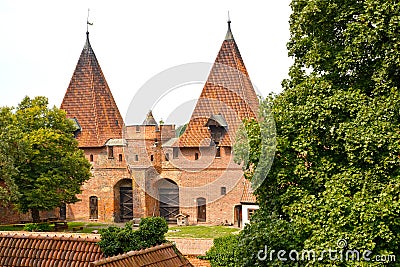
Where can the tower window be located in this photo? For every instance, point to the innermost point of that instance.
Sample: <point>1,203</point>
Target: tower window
<point>196,156</point>
<point>223,190</point>
<point>120,157</point>
<point>218,152</point>
<point>151,157</point>
<point>137,128</point>
<point>91,158</point>
<point>136,157</point>
<point>116,122</point>
<point>110,152</point>
<point>166,156</point>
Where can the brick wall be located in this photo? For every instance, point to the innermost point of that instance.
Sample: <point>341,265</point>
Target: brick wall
<point>108,174</point>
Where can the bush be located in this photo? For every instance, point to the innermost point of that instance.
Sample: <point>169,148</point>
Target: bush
<point>115,240</point>
<point>152,231</point>
<point>37,227</point>
<point>223,252</point>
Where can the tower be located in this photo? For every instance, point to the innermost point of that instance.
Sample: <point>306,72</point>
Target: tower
<point>89,102</point>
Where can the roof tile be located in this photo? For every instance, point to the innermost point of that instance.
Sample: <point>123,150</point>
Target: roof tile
<point>158,256</point>
<point>90,101</point>
<point>228,91</point>
<point>35,250</point>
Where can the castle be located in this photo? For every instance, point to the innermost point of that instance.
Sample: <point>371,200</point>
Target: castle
<point>146,170</point>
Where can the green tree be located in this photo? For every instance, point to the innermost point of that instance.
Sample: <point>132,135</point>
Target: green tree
<point>336,172</point>
<point>151,232</point>
<point>45,167</point>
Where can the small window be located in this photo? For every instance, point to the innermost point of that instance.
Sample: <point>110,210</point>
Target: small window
<point>136,157</point>
<point>91,158</point>
<point>93,208</point>
<point>120,157</point>
<point>175,152</point>
<point>250,213</point>
<point>116,122</point>
<point>166,156</point>
<point>223,190</point>
<point>196,156</point>
<point>137,128</point>
<point>110,152</point>
<point>218,152</point>
<point>151,157</point>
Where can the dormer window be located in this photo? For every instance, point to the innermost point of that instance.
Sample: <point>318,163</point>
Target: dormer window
<point>77,127</point>
<point>217,126</point>
<point>175,152</point>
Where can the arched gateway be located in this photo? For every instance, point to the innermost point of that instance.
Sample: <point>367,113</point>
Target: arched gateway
<point>168,197</point>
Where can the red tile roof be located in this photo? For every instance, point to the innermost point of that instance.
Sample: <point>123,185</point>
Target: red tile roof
<point>228,91</point>
<point>47,251</point>
<point>159,256</point>
<point>248,196</point>
<point>90,101</point>
<point>36,250</point>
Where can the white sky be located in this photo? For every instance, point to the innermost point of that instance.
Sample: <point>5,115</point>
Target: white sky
<point>134,40</point>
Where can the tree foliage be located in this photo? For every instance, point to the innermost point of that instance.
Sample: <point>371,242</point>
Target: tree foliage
<point>223,253</point>
<point>151,232</point>
<point>336,172</point>
<point>42,166</point>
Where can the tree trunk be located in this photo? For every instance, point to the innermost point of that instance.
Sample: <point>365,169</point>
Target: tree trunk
<point>35,215</point>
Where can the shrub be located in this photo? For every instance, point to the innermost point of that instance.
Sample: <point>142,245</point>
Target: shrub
<point>115,240</point>
<point>152,231</point>
<point>223,252</point>
<point>37,227</point>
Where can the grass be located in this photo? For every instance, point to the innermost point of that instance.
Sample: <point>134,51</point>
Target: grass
<point>17,227</point>
<point>73,227</point>
<point>199,231</point>
<point>83,227</point>
<point>192,231</point>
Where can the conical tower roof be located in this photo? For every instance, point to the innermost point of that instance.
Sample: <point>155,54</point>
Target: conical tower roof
<point>149,119</point>
<point>89,100</point>
<point>227,93</point>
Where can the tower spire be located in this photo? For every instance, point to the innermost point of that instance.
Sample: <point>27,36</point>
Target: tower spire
<point>229,35</point>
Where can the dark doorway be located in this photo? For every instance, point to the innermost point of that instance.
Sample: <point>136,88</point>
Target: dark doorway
<point>168,192</point>
<point>93,208</point>
<point>201,209</point>
<point>63,211</point>
<point>126,203</point>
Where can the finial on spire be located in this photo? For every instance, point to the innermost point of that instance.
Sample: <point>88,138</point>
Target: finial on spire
<point>229,35</point>
<point>87,22</point>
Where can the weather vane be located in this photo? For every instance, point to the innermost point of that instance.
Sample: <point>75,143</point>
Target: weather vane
<point>87,21</point>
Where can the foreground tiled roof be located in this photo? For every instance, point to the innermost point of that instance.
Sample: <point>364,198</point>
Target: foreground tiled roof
<point>158,256</point>
<point>248,196</point>
<point>228,92</point>
<point>47,251</point>
<point>90,101</point>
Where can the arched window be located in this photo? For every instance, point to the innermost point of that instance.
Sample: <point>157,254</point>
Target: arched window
<point>196,156</point>
<point>93,208</point>
<point>91,158</point>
